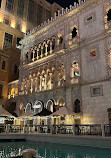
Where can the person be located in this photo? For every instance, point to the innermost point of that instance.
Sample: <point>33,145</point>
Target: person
<point>76,129</point>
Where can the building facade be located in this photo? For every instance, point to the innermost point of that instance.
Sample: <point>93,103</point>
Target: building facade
<point>67,62</point>
<point>16,18</point>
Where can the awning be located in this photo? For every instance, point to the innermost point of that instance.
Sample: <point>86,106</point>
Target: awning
<point>44,112</point>
<point>27,114</point>
<point>4,112</point>
<point>63,111</point>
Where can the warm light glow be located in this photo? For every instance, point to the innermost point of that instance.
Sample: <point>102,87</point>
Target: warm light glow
<point>16,90</point>
<point>13,24</point>
<point>12,91</point>
<point>24,28</point>
<point>1,18</point>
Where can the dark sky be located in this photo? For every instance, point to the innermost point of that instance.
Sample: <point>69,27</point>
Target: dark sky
<point>63,3</point>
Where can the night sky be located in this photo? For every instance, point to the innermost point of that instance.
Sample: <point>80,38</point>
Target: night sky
<point>63,3</point>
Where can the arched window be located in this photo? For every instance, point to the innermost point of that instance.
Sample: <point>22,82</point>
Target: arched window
<point>53,44</point>
<point>48,48</point>
<point>61,101</point>
<point>31,55</point>
<point>77,108</point>
<point>28,107</point>
<point>74,32</point>
<point>38,106</point>
<point>109,15</point>
<point>39,53</point>
<point>75,69</point>
<point>60,40</point>
<point>44,48</point>
<point>50,106</point>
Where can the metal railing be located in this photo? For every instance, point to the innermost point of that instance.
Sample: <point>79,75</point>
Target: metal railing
<point>85,130</point>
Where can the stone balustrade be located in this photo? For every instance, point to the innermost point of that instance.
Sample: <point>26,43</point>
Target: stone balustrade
<point>56,16</point>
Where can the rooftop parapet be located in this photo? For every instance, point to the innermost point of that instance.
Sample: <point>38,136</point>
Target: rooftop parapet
<point>56,16</point>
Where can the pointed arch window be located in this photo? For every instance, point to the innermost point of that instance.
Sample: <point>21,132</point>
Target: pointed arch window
<point>109,15</point>
<point>77,108</point>
<point>74,32</point>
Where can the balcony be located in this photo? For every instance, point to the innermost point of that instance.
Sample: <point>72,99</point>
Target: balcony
<point>75,80</point>
<point>13,89</point>
<point>73,42</point>
<point>42,55</point>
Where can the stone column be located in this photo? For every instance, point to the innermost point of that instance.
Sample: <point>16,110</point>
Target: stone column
<point>41,51</point>
<point>40,83</point>
<point>50,80</point>
<point>36,84</point>
<point>37,53</point>
<point>45,81</point>
<point>46,50</point>
<point>50,47</point>
<point>33,55</point>
<point>31,85</point>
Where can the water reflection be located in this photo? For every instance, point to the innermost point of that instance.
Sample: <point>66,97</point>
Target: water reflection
<point>47,150</point>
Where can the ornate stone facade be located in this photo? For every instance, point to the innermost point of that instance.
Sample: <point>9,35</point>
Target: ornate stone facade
<point>67,60</point>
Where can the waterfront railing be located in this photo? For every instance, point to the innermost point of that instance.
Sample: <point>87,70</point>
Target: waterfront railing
<point>75,129</point>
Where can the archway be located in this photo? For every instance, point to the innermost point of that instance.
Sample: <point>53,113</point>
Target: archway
<point>28,107</point>
<point>77,108</point>
<point>38,106</point>
<point>50,105</point>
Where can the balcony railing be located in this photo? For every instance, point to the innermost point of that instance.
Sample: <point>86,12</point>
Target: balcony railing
<point>57,49</point>
<point>73,41</point>
<point>75,80</point>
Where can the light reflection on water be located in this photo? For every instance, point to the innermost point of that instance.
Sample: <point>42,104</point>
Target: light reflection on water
<point>49,150</point>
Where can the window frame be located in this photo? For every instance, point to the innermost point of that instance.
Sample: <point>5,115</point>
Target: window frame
<point>19,8</point>
<point>97,86</point>
<point>4,59</point>
<point>7,20</point>
<point>4,40</point>
<point>8,3</point>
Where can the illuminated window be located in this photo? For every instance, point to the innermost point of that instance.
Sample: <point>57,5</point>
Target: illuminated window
<point>75,69</point>
<point>8,40</point>
<point>1,91</point>
<point>93,53</point>
<point>109,15</point>
<point>31,11</point>
<point>9,5</point>
<point>74,32</point>
<point>20,9</point>
<point>0,3</point>
<point>6,21</point>
<point>12,91</point>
